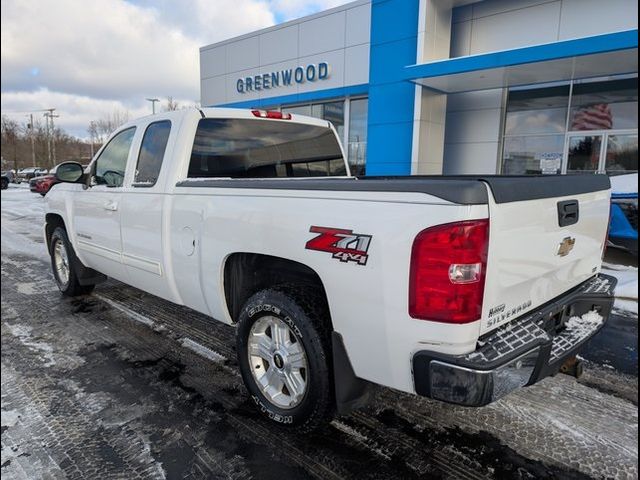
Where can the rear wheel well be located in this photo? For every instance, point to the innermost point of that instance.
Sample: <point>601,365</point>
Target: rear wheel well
<point>248,273</point>
<point>52,221</point>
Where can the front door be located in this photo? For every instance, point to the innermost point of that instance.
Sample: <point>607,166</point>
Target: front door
<point>96,210</point>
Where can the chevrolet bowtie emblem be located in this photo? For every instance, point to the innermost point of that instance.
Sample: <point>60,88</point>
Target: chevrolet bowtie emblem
<point>565,247</point>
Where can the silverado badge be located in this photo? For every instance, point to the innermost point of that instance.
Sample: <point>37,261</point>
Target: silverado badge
<point>566,246</point>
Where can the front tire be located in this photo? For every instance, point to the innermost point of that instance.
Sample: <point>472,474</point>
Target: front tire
<point>285,358</point>
<point>62,265</point>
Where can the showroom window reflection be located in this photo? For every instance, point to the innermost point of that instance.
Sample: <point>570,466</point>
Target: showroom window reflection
<point>586,127</point>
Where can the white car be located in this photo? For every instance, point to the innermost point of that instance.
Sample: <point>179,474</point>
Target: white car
<point>457,288</point>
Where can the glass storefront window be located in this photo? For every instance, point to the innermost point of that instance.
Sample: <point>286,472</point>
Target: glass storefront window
<point>605,105</point>
<point>622,154</point>
<point>542,110</point>
<point>334,112</point>
<point>598,120</point>
<point>527,155</point>
<point>584,154</point>
<point>331,111</point>
<point>357,142</point>
<point>298,110</point>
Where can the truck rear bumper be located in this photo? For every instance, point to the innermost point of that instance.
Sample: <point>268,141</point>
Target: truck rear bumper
<point>520,353</point>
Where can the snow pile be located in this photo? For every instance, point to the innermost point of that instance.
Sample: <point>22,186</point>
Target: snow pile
<point>588,321</point>
<point>624,183</point>
<point>627,289</point>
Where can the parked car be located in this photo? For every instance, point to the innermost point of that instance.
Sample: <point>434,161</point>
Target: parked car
<point>43,183</point>
<point>12,176</point>
<point>623,228</point>
<point>26,174</point>
<point>461,289</point>
<point>4,181</point>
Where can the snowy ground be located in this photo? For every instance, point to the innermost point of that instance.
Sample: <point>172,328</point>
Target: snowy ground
<point>123,385</point>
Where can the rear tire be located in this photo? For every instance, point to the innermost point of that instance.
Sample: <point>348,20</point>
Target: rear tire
<point>285,358</point>
<point>63,260</point>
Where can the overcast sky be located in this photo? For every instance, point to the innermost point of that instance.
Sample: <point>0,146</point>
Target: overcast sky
<point>88,58</point>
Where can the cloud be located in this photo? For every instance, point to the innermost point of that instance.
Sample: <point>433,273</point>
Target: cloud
<point>290,9</point>
<point>76,111</point>
<point>87,57</point>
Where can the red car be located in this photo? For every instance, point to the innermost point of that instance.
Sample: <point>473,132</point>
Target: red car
<point>42,184</point>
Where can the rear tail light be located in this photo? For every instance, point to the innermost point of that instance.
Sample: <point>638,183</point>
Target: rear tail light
<point>274,114</point>
<point>447,274</point>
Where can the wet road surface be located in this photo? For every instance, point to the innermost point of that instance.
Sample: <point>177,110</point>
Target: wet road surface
<point>120,384</point>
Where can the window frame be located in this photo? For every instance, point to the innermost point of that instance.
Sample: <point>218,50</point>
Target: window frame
<point>135,167</point>
<point>94,165</point>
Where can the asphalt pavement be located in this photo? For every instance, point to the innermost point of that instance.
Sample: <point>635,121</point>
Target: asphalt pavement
<point>120,384</point>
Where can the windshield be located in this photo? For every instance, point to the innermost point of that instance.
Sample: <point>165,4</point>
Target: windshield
<point>247,148</point>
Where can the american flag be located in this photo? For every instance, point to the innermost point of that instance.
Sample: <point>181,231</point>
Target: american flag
<point>593,117</point>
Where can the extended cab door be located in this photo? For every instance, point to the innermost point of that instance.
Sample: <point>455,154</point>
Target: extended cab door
<point>143,207</point>
<point>96,210</point>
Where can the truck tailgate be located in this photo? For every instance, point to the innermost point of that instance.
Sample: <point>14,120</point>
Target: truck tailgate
<point>541,247</point>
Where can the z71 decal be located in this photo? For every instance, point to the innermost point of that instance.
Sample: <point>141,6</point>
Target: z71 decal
<point>345,245</point>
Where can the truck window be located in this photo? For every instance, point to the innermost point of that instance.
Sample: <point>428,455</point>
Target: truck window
<point>112,162</point>
<point>247,148</point>
<point>154,144</point>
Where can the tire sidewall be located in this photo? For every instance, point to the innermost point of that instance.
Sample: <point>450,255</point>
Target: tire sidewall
<point>280,305</point>
<point>60,236</point>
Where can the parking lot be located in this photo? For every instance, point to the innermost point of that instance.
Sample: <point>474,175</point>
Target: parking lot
<point>120,384</point>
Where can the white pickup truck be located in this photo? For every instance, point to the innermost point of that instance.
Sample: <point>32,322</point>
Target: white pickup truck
<point>461,289</point>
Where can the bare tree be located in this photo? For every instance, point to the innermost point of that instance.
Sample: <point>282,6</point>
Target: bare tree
<point>104,126</point>
<point>93,135</point>
<point>171,105</point>
<point>10,137</point>
<point>18,150</point>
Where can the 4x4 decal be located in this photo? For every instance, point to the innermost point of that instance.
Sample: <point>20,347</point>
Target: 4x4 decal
<point>345,245</point>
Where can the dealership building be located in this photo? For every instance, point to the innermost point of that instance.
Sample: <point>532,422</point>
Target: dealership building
<point>450,86</point>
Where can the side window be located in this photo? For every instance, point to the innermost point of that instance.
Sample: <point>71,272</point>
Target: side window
<point>154,144</point>
<point>112,162</point>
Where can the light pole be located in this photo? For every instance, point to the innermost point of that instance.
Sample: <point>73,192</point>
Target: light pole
<point>51,142</point>
<point>153,104</point>
<point>31,136</point>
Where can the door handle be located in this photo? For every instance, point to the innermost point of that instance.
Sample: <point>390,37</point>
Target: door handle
<point>568,213</point>
<point>111,206</point>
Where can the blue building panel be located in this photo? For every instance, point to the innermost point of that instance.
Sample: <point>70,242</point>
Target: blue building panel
<point>609,42</point>
<point>394,40</point>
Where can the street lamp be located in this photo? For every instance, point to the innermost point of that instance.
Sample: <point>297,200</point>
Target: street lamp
<point>153,104</point>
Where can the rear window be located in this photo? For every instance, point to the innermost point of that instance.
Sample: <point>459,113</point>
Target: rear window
<point>241,148</point>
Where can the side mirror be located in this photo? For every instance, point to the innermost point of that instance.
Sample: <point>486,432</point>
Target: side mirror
<point>69,172</point>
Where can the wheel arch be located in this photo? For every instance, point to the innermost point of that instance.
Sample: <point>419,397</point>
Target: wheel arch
<point>51,222</point>
<point>245,273</point>
<point>86,275</point>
